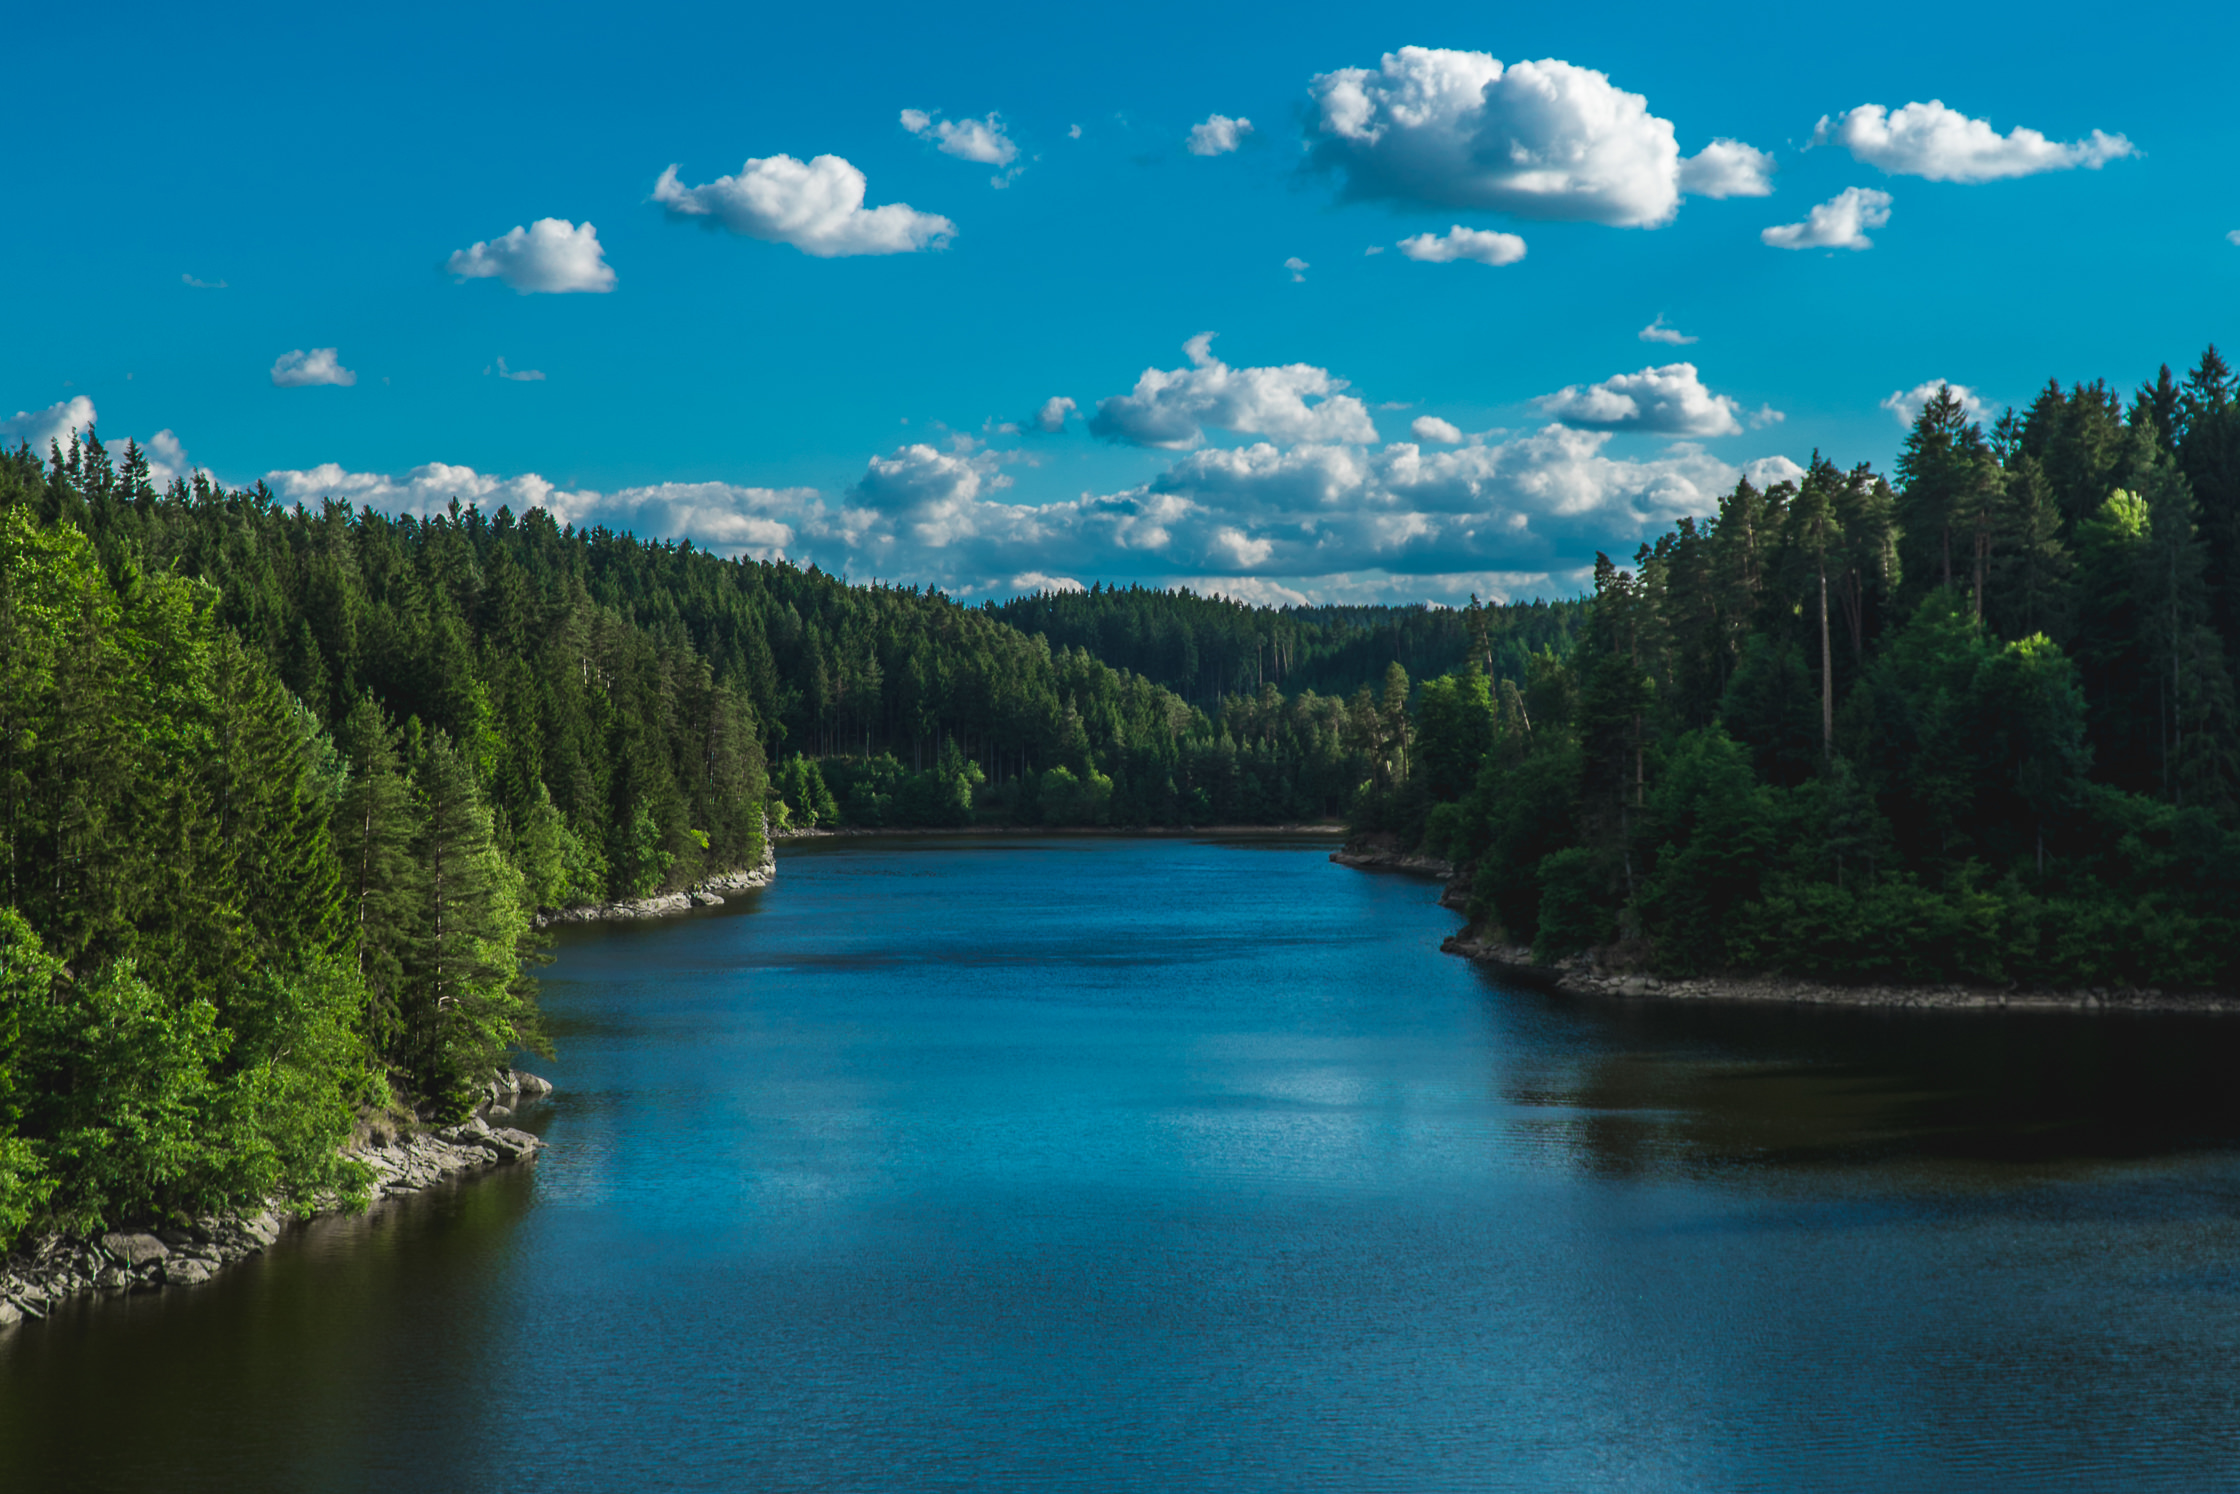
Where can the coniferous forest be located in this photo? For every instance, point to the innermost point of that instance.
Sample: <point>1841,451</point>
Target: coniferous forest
<point>1972,722</point>
<point>280,790</point>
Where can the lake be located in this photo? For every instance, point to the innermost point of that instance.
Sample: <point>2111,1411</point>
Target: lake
<point>1118,1164</point>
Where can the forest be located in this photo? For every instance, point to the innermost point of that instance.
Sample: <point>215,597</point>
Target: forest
<point>281,789</point>
<point>1971,722</point>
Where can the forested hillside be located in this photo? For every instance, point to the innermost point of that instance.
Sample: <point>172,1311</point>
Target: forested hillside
<point>280,789</point>
<point>1974,723</point>
<point>1203,648</point>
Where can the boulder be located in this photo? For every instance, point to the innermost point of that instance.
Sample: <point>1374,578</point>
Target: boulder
<point>512,1145</point>
<point>10,1315</point>
<point>532,1087</point>
<point>186,1271</point>
<point>134,1250</point>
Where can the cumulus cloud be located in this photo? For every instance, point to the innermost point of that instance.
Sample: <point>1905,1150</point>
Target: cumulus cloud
<point>1837,223</point>
<point>206,285</point>
<point>1771,471</point>
<point>1307,521</point>
<point>1482,246</point>
<point>1540,139</point>
<point>1298,268</point>
<point>518,375</point>
<point>816,206</point>
<point>1907,404</point>
<point>2233,237</point>
<point>551,255</point>
<point>1944,145</point>
<point>1218,135</point>
<point>1055,411</point>
<point>1170,408</point>
<point>1657,331</point>
<point>1432,428</point>
<point>36,428</point>
<point>301,370</point>
<point>1670,401</point>
<point>1727,168</point>
<point>981,140</point>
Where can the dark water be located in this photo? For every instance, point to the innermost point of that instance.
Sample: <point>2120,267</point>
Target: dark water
<point>1164,1166</point>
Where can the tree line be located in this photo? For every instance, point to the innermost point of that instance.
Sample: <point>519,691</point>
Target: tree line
<point>1975,721</point>
<point>281,787</point>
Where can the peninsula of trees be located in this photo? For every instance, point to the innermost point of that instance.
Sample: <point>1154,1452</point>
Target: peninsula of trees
<point>1974,724</point>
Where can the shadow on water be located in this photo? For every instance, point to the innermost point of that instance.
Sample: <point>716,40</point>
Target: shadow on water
<point>410,1299</point>
<point>1642,1086</point>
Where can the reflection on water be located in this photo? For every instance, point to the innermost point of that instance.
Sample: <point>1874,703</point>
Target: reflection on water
<point>1119,1165</point>
<point>1701,1088</point>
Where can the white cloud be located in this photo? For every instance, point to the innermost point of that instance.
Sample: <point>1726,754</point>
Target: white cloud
<point>1432,428</point>
<point>1764,416</point>
<point>1298,268</point>
<point>167,458</point>
<point>1055,411</point>
<point>1483,246</point>
<point>1540,139</point>
<point>207,285</point>
<point>36,428</point>
<point>301,370</point>
<point>981,140</point>
<point>1299,523</point>
<point>1766,472</point>
<point>815,206</point>
<point>1171,407</point>
<point>1670,400</point>
<point>1944,145</point>
<point>1727,168</point>
<point>2233,237</point>
<point>518,375</point>
<point>1657,331</point>
<point>1218,135</point>
<point>1836,223</point>
<point>551,255</point>
<point>1907,404</point>
<point>1073,132</point>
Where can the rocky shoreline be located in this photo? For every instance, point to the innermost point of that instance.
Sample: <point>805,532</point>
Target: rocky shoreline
<point>1591,975</point>
<point>42,1274</point>
<point>707,894</point>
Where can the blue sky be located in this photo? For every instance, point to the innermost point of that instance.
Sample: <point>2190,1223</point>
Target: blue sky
<point>327,176</point>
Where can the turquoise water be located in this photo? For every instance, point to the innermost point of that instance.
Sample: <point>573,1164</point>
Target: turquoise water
<point>1158,1165</point>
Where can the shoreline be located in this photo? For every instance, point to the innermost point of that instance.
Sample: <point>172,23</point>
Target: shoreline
<point>707,893</point>
<point>1319,829</point>
<point>1585,975</point>
<point>44,1273</point>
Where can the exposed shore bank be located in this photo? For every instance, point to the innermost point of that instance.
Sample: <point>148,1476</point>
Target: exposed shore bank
<point>1590,975</point>
<point>43,1273</point>
<point>706,894</point>
<point>1318,828</point>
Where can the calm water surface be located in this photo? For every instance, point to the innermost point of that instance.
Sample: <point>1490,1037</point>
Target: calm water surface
<point>1124,1165</point>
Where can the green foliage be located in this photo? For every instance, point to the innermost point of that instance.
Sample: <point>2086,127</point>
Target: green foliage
<point>2007,751</point>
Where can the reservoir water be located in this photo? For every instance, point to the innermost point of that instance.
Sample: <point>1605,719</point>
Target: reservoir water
<point>1115,1165</point>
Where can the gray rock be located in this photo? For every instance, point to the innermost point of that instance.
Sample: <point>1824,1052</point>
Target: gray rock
<point>113,1279</point>
<point>134,1250</point>
<point>532,1087</point>
<point>513,1145</point>
<point>10,1314</point>
<point>186,1271</point>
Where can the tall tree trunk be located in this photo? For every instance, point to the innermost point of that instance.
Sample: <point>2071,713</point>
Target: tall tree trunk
<point>1827,675</point>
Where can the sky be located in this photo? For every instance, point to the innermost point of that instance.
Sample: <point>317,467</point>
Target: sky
<point>1300,304</point>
